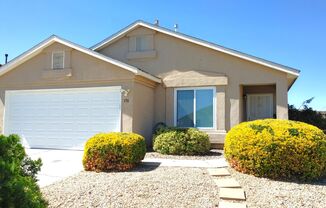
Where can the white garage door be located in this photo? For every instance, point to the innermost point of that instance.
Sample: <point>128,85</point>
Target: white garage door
<point>62,118</point>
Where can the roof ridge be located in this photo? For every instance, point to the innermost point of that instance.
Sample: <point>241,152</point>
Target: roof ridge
<point>198,41</point>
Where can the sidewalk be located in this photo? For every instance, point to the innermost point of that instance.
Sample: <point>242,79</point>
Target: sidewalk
<point>217,163</point>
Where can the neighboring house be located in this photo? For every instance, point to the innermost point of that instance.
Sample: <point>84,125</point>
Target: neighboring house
<point>323,113</point>
<point>58,93</point>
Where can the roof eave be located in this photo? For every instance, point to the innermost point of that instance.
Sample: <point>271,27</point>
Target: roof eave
<point>38,48</point>
<point>26,55</point>
<point>292,83</point>
<point>115,36</point>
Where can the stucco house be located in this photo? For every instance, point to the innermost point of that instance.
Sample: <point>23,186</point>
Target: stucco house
<point>58,93</point>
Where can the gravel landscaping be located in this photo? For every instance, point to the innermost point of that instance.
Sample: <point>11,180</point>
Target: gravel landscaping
<point>213,154</point>
<point>152,186</point>
<point>146,186</point>
<point>262,192</point>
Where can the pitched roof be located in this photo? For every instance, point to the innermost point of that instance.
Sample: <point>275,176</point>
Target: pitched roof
<point>191,39</point>
<point>52,39</point>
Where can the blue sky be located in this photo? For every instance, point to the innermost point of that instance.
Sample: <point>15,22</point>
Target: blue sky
<point>292,33</point>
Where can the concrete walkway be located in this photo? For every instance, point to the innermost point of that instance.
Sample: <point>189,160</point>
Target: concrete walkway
<point>216,163</point>
<point>57,164</point>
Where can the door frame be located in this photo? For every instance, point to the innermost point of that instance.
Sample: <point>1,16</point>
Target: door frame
<point>259,94</point>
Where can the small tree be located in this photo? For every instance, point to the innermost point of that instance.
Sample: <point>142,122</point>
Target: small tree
<point>18,187</point>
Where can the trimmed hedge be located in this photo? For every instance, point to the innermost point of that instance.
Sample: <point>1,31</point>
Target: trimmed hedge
<point>278,149</point>
<point>113,151</point>
<point>181,141</point>
<point>18,187</point>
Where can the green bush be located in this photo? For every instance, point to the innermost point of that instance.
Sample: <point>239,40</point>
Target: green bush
<point>113,151</point>
<point>307,115</point>
<point>278,149</point>
<point>18,187</point>
<point>181,141</point>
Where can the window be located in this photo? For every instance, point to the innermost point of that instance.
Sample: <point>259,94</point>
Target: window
<point>58,60</point>
<point>195,107</point>
<point>143,43</point>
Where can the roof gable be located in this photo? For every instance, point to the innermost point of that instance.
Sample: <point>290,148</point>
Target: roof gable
<point>124,31</point>
<point>52,39</point>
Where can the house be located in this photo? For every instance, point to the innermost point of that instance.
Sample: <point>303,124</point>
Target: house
<point>58,93</point>
<point>323,113</point>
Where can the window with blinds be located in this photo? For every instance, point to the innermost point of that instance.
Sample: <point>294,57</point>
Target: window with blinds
<point>58,60</point>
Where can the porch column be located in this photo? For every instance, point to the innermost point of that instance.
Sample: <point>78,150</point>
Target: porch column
<point>282,100</point>
<point>169,106</point>
<point>220,108</point>
<point>235,96</point>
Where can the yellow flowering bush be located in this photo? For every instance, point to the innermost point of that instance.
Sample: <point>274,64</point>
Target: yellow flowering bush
<point>279,149</point>
<point>113,151</point>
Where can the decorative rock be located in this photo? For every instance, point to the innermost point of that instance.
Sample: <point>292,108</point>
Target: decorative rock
<point>218,172</point>
<point>142,187</point>
<point>227,183</point>
<point>232,193</point>
<point>224,204</point>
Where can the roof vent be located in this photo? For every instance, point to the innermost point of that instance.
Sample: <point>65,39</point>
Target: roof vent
<point>6,58</point>
<point>156,22</point>
<point>176,27</point>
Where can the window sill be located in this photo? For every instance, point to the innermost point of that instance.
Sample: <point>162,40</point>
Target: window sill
<point>141,54</point>
<point>205,129</point>
<point>56,73</point>
<point>216,136</point>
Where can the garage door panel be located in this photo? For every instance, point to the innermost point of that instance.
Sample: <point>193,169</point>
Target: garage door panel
<point>62,118</point>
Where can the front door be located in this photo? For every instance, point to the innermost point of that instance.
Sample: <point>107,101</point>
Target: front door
<point>259,106</point>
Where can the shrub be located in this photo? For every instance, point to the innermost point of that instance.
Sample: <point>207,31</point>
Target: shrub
<point>278,149</point>
<point>113,151</point>
<point>308,115</point>
<point>179,141</point>
<point>18,187</point>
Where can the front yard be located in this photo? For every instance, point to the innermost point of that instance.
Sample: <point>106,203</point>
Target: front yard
<point>145,186</point>
<point>271,148</point>
<point>153,186</point>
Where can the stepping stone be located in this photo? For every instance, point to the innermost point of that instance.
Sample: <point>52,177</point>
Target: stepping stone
<point>232,193</point>
<point>227,183</point>
<point>224,204</point>
<point>218,172</point>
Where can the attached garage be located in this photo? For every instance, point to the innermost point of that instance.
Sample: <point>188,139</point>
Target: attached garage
<point>62,118</point>
<point>58,94</point>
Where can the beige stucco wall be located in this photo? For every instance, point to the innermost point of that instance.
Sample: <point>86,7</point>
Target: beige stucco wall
<point>82,71</point>
<point>175,55</point>
<point>148,103</point>
<point>143,111</point>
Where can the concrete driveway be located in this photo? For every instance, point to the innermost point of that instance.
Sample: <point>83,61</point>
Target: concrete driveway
<point>57,164</point>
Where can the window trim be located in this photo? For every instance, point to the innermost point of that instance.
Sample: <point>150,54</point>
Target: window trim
<point>195,89</point>
<point>63,60</point>
<point>140,39</point>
